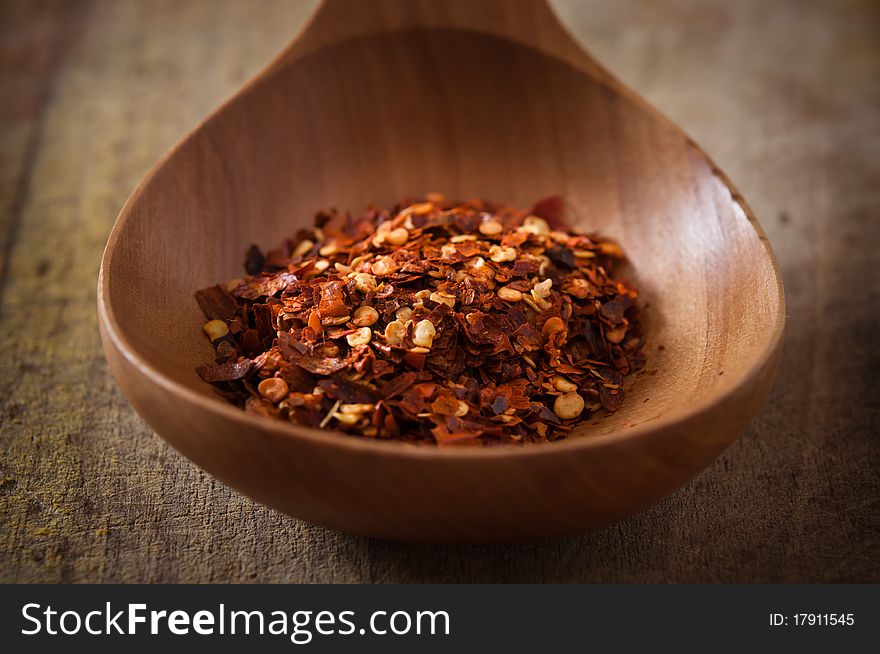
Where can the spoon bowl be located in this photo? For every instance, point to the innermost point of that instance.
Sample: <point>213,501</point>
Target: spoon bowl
<point>378,101</point>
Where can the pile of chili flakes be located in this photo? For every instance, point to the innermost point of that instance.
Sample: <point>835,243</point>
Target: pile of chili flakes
<point>434,322</point>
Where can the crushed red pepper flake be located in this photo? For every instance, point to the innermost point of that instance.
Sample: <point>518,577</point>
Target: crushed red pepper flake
<point>468,323</point>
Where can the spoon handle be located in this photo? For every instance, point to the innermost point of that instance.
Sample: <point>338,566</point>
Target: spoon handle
<point>532,23</point>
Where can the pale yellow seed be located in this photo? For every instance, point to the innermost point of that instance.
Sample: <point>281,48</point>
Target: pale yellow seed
<point>403,314</point>
<point>559,237</point>
<point>316,269</point>
<point>233,284</point>
<point>584,254</point>
<point>381,233</point>
<point>423,295</point>
<point>424,333</point>
<point>448,250</point>
<point>530,301</point>
<point>461,238</point>
<point>545,265</point>
<point>562,384</point>
<point>348,419</point>
<point>364,282</point>
<point>445,298</point>
<point>491,228</point>
<point>542,289</point>
<point>568,406</point>
<point>355,408</point>
<point>328,250</point>
<point>500,254</point>
<point>395,332</point>
<point>361,336</point>
<point>357,262</point>
<point>365,316</point>
<point>539,304</point>
<point>335,320</point>
<point>509,294</point>
<point>397,236</point>
<point>341,267</point>
<point>422,208</point>
<point>215,329</point>
<point>302,248</point>
<point>384,266</point>
<point>273,389</point>
<point>462,409</point>
<point>536,225</point>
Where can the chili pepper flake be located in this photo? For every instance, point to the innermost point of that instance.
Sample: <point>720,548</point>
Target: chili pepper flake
<point>435,322</point>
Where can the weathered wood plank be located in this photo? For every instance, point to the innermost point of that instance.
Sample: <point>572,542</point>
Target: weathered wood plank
<point>34,36</point>
<point>784,95</point>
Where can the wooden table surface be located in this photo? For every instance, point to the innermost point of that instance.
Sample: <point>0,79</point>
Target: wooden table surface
<point>784,95</point>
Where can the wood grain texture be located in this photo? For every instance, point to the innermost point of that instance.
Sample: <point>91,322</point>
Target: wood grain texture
<point>87,493</point>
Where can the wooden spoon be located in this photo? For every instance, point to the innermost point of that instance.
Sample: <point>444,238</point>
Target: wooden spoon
<point>380,100</point>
